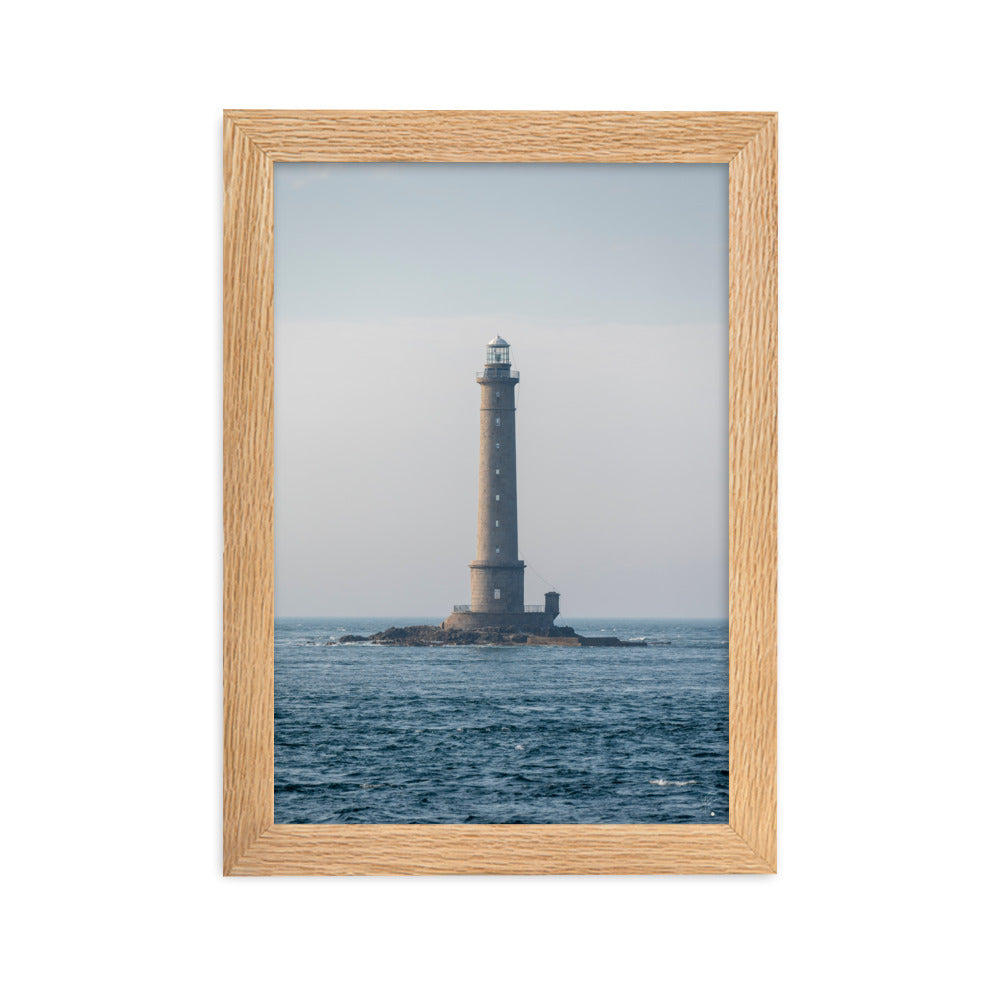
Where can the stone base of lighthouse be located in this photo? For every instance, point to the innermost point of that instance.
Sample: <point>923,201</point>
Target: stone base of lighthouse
<point>530,620</point>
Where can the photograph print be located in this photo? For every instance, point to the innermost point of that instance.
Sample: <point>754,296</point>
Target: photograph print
<point>501,493</point>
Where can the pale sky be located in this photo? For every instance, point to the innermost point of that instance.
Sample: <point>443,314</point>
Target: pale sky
<point>610,283</point>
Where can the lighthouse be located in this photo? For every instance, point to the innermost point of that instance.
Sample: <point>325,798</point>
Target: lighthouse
<point>497,571</point>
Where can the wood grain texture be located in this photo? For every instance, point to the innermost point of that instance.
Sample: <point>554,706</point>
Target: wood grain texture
<point>253,141</point>
<point>518,136</point>
<point>247,495</point>
<point>753,491</point>
<point>498,850</point>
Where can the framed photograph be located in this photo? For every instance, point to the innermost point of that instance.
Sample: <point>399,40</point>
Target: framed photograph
<point>499,492</point>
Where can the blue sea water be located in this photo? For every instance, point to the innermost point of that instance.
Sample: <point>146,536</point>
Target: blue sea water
<point>501,734</point>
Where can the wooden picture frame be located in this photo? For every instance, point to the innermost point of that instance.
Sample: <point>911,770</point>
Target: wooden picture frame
<point>253,142</point>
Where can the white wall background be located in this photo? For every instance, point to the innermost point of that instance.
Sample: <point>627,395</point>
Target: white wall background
<point>111,412</point>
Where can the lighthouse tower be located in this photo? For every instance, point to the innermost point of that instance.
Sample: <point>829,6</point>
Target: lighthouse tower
<point>497,572</point>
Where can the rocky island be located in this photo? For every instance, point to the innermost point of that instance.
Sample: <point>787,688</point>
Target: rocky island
<point>497,635</point>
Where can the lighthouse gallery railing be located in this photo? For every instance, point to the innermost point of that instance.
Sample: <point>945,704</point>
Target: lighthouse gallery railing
<point>529,609</point>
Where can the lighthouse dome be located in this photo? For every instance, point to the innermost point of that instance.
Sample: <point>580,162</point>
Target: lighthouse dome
<point>498,352</point>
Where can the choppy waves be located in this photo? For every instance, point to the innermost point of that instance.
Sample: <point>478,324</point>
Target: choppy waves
<point>368,734</point>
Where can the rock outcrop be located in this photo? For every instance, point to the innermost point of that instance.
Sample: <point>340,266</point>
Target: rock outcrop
<point>434,635</point>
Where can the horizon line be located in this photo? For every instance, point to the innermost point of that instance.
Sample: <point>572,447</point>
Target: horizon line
<point>617,617</point>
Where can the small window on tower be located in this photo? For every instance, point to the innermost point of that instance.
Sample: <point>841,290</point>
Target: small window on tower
<point>496,593</point>
<point>498,472</point>
<point>497,498</point>
<point>498,445</point>
<point>498,550</point>
<point>498,397</point>
<point>498,421</point>
<point>496,524</point>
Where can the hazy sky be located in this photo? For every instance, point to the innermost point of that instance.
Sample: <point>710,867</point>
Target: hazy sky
<point>609,282</point>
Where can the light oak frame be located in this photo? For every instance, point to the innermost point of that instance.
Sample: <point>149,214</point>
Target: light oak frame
<point>253,142</point>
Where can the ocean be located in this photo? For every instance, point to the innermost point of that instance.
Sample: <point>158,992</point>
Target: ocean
<point>502,734</point>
